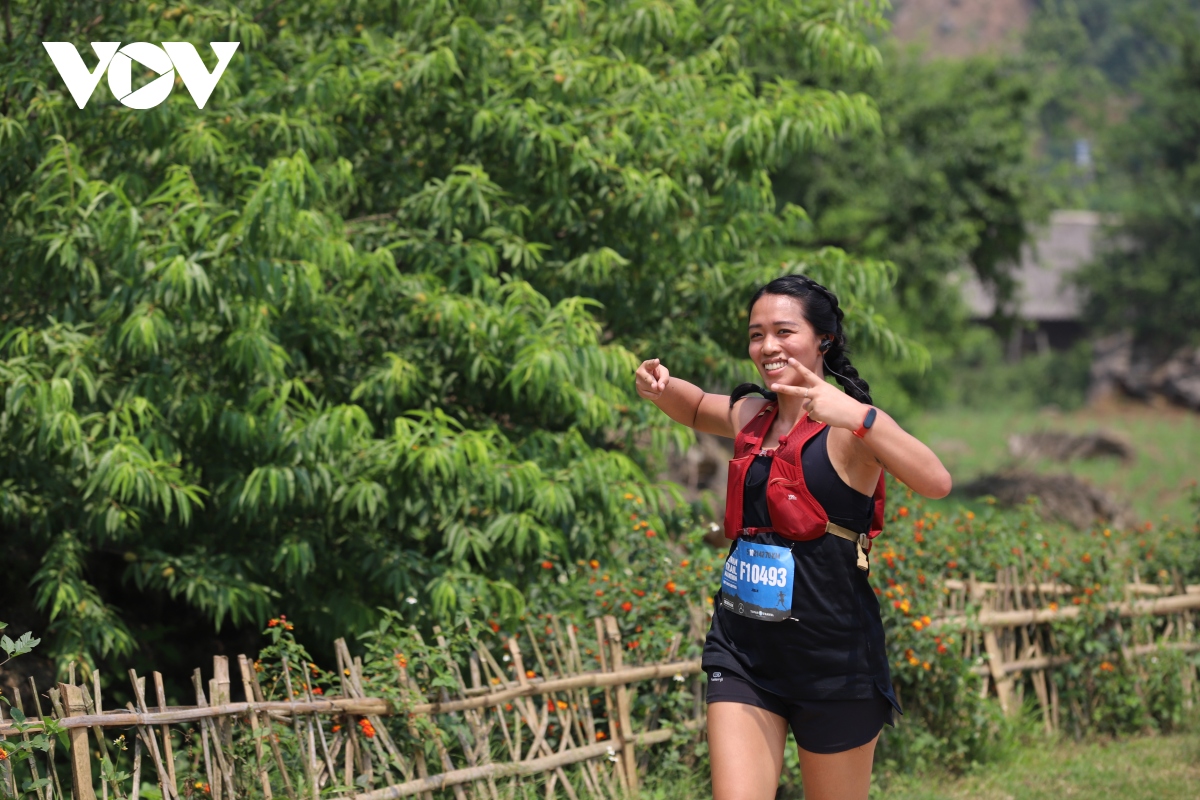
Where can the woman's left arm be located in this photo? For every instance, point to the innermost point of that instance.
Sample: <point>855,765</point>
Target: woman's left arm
<point>888,445</point>
<point>884,444</point>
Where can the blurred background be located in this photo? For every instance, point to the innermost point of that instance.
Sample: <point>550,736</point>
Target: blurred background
<point>359,333</point>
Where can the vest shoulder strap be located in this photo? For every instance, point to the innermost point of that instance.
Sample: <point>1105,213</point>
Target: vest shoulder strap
<point>751,435</point>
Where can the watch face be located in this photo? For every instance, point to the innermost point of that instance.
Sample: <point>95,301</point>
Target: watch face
<point>870,420</point>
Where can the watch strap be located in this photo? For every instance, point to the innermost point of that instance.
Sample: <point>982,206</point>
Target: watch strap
<point>867,422</point>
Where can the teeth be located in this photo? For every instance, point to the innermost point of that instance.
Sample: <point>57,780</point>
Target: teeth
<point>774,365</point>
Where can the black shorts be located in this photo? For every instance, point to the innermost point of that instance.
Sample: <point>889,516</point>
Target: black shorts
<point>820,726</point>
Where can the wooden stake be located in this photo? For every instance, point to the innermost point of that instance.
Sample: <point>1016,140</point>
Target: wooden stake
<point>624,705</point>
<point>244,667</point>
<point>273,738</point>
<point>168,753</point>
<point>81,756</point>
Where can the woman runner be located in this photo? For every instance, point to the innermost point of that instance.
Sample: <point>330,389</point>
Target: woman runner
<point>796,637</point>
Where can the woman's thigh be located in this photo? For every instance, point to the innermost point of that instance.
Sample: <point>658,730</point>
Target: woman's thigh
<point>745,746</point>
<point>838,776</point>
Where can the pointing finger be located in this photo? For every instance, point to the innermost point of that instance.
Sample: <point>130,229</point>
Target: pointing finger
<point>810,377</point>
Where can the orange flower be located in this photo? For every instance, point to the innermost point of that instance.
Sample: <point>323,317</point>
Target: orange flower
<point>562,705</point>
<point>337,728</point>
<point>508,706</point>
<point>942,650</point>
<point>1106,666</point>
<point>494,626</point>
<point>547,565</point>
<point>1087,558</point>
<point>594,564</point>
<point>925,665</point>
<point>530,673</point>
<point>627,606</point>
<point>318,690</point>
<point>925,619</point>
<point>272,623</point>
<point>919,537</point>
<point>601,735</point>
<point>650,534</point>
<point>684,563</point>
<point>917,624</point>
<point>599,593</point>
<point>1053,606</point>
<point>671,586</point>
<point>639,592</point>
<point>3,754</point>
<point>952,564</point>
<point>903,511</point>
<point>970,515</point>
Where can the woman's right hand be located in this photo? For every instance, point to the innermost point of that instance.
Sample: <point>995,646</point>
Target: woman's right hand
<point>651,379</point>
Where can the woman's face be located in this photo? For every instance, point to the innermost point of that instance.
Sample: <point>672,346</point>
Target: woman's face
<point>778,331</point>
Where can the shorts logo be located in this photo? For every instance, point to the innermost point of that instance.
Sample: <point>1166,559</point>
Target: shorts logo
<point>791,497</point>
<point>716,676</point>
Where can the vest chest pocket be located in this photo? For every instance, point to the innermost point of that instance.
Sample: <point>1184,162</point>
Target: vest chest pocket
<point>794,512</point>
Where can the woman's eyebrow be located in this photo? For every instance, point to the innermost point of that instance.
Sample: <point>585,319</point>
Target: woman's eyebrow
<point>778,322</point>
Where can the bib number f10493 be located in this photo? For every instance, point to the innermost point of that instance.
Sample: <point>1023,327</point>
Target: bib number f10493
<point>757,581</point>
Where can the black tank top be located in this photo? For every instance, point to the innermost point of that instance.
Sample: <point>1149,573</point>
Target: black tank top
<point>833,646</point>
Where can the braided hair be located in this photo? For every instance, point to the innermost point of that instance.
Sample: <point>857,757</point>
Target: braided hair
<point>820,309</point>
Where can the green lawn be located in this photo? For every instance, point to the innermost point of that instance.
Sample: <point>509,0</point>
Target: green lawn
<point>1155,483</point>
<point>1149,767</point>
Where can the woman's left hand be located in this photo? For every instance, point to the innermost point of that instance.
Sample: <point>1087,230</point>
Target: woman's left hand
<point>823,401</point>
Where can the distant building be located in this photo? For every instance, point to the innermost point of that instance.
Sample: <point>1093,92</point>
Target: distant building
<point>1046,296</point>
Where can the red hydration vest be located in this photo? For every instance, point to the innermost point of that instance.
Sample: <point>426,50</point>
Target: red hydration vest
<point>795,513</point>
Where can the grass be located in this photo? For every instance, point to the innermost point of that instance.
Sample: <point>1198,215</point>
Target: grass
<point>1156,483</point>
<point>1157,767</point>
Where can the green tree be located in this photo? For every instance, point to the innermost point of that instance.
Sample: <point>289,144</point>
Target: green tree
<point>363,328</point>
<point>1147,280</point>
<point>946,184</point>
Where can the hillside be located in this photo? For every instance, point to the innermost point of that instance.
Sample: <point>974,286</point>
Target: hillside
<point>955,28</point>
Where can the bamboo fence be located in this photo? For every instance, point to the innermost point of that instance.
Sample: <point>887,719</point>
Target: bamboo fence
<point>1008,629</point>
<point>560,728</point>
<point>509,732</point>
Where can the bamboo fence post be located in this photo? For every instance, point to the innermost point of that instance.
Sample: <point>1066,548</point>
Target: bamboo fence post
<point>33,768</point>
<point>609,707</point>
<point>219,695</point>
<point>244,668</point>
<point>81,756</point>
<point>37,704</point>
<point>93,708</point>
<point>147,733</point>
<point>623,706</point>
<point>472,752</point>
<point>309,775</point>
<point>168,752</point>
<point>272,737</point>
<point>213,750</point>
<point>7,778</point>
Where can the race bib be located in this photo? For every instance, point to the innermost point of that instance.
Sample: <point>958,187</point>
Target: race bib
<point>757,581</point>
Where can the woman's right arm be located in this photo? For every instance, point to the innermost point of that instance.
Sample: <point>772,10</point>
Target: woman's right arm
<point>687,403</point>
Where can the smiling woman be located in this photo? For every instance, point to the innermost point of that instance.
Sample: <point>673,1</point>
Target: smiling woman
<point>796,636</point>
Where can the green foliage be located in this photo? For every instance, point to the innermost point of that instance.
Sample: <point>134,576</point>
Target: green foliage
<point>946,186</point>
<point>363,328</point>
<point>13,751</point>
<point>1146,279</point>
